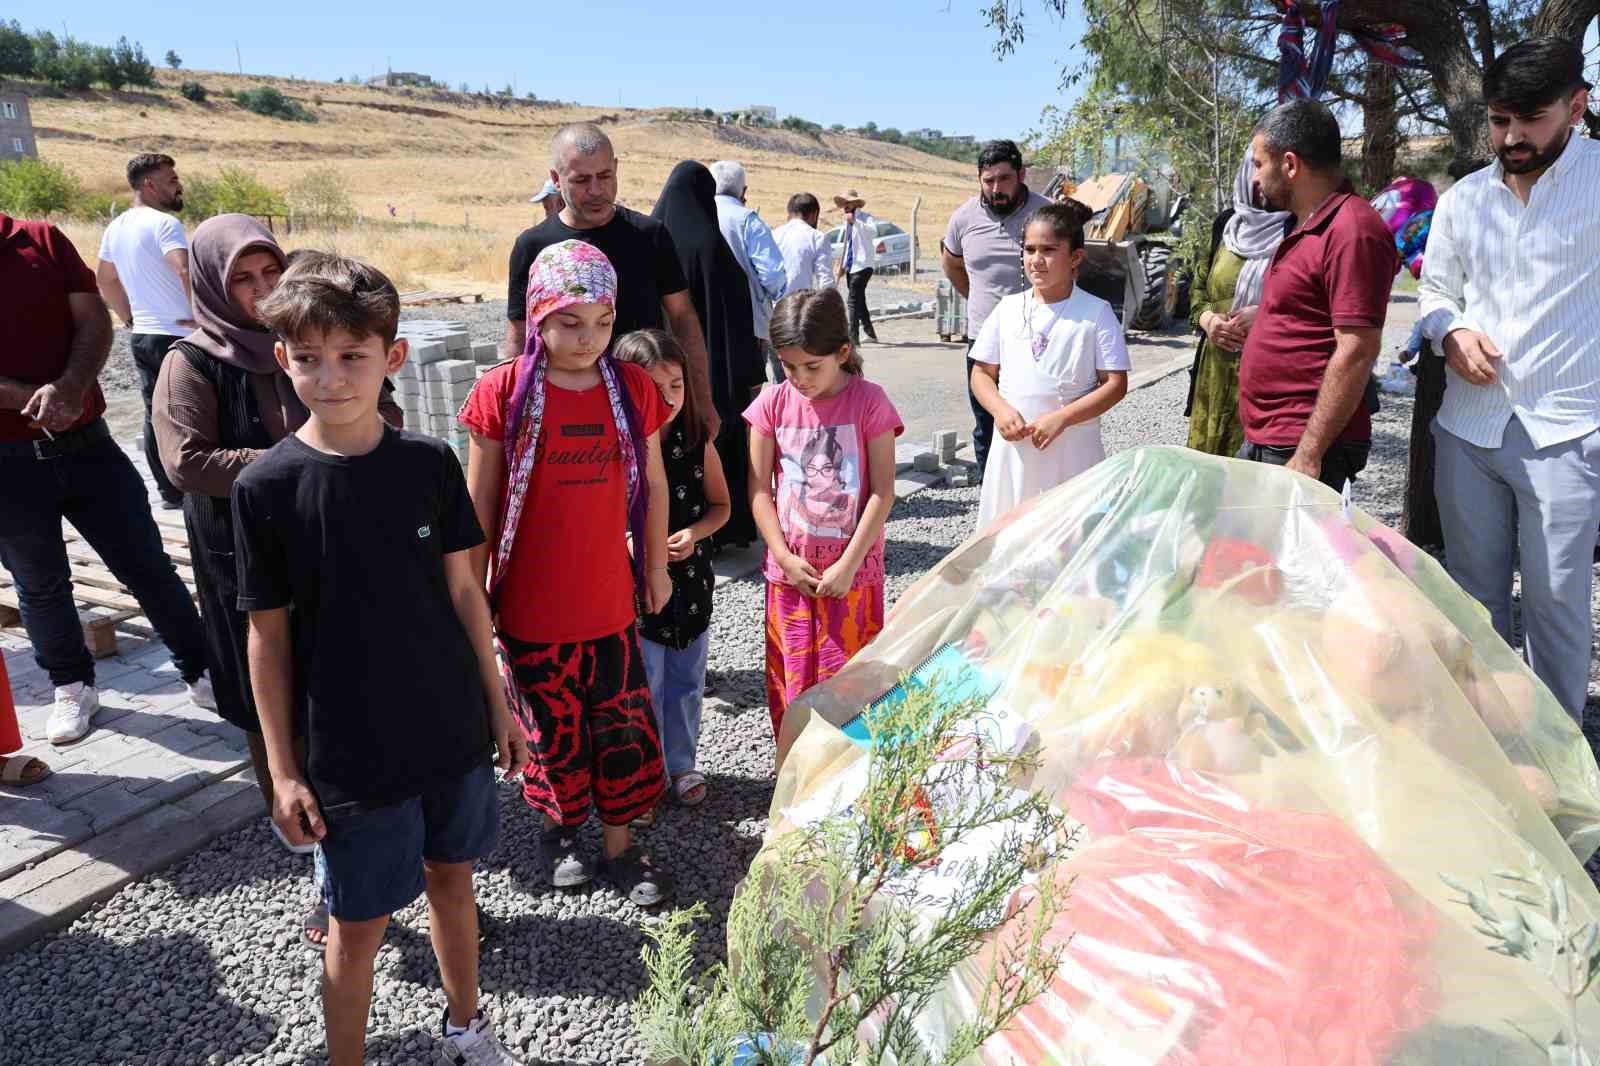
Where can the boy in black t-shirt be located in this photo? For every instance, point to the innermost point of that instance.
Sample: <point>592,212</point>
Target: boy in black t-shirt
<point>371,645</point>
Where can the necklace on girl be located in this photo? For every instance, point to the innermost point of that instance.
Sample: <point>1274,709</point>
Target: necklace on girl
<point>1040,342</point>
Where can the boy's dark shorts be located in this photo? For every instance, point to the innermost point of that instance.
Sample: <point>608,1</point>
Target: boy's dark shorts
<point>375,857</point>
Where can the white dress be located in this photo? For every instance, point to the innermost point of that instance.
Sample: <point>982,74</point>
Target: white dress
<point>1048,356</point>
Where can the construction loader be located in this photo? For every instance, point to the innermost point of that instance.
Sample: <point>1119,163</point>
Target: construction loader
<point>1125,262</point>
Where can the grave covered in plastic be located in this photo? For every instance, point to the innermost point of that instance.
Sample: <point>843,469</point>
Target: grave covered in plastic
<point>1277,726</point>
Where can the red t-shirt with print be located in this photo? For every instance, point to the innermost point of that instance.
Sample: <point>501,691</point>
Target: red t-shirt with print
<point>568,578</point>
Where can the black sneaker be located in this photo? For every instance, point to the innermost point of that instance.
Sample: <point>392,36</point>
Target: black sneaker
<point>635,875</point>
<point>564,858</point>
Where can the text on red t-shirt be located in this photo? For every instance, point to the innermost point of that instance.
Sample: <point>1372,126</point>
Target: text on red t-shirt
<point>568,578</point>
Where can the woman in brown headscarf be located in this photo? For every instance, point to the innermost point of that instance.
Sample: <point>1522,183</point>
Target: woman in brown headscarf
<point>220,401</point>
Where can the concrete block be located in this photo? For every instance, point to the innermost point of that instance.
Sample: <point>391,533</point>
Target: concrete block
<point>488,353</point>
<point>458,340</point>
<point>449,370</point>
<point>452,392</point>
<point>441,425</point>
<point>926,463</point>
<point>429,352</point>
<point>410,370</point>
<point>945,443</point>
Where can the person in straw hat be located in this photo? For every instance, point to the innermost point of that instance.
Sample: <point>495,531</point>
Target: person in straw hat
<point>855,267</point>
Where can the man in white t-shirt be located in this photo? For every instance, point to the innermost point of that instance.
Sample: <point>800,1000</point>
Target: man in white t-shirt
<point>144,277</point>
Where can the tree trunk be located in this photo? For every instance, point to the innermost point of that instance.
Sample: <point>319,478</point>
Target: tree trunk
<point>1566,18</point>
<point>1380,128</point>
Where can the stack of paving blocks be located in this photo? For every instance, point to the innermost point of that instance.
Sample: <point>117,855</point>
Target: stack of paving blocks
<point>437,377</point>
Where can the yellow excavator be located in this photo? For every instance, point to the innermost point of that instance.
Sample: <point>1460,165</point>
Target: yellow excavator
<point>1128,262</point>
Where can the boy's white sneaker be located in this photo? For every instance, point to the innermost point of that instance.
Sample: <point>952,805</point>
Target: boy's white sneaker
<point>478,1046</point>
<point>201,694</point>
<point>73,713</point>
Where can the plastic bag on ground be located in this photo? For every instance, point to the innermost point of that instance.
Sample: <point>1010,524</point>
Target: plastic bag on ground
<point>1278,724</point>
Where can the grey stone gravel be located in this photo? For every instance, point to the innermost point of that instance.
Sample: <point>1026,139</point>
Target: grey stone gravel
<point>203,964</point>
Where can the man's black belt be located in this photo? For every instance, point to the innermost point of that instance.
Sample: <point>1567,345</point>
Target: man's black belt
<point>65,443</point>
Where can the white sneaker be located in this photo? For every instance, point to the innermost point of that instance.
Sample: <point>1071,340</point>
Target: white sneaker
<point>478,1046</point>
<point>200,693</point>
<point>73,714</point>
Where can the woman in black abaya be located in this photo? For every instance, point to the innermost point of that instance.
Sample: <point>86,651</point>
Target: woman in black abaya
<point>720,293</point>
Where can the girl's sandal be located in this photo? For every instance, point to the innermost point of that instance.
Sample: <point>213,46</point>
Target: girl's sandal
<point>315,921</point>
<point>20,771</point>
<point>690,788</point>
<point>647,820</point>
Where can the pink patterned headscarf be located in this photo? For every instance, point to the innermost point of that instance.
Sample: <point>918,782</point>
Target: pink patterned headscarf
<point>565,274</point>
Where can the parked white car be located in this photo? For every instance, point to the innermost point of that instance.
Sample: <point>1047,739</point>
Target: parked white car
<point>892,251</point>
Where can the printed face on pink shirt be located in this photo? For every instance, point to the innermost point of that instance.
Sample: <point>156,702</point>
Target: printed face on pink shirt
<point>821,479</point>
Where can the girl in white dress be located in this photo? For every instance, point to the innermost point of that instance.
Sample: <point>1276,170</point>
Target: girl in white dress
<point>1049,362</point>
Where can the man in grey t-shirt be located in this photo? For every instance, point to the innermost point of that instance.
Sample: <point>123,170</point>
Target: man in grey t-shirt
<point>982,255</point>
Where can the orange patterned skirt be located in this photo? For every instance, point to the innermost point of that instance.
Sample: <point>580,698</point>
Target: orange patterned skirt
<point>809,639</point>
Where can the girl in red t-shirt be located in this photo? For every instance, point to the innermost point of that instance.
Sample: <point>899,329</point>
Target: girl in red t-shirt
<point>565,465</point>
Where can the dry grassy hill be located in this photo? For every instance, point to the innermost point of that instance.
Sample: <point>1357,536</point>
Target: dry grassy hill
<point>467,163</point>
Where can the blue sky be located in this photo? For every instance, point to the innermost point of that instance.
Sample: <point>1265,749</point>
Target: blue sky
<point>903,63</point>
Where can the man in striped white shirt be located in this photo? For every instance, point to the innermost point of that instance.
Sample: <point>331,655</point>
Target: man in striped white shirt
<point>1508,294</point>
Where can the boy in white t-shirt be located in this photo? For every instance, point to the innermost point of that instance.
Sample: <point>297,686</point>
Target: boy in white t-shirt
<point>1048,362</point>
<point>144,276</point>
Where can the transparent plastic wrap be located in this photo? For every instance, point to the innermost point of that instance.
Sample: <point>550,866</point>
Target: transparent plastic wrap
<point>1278,727</point>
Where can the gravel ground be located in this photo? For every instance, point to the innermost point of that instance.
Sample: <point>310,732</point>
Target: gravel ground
<point>202,964</point>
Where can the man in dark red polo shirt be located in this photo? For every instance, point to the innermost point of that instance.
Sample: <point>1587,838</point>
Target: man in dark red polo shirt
<point>57,460</point>
<point>1308,358</point>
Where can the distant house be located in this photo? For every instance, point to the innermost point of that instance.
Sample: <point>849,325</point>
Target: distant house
<point>962,138</point>
<point>925,134</point>
<point>760,111</point>
<point>396,79</point>
<point>16,126</point>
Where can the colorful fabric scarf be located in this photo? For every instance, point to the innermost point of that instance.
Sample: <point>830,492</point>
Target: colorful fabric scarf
<point>1302,75</point>
<point>565,274</point>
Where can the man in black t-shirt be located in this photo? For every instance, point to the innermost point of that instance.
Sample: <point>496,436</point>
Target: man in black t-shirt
<point>651,289</point>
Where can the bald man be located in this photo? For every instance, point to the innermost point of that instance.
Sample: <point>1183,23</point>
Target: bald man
<point>651,288</point>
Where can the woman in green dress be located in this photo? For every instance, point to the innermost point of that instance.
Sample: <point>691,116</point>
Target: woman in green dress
<point>1227,295</point>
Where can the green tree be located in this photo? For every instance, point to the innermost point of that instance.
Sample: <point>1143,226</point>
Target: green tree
<point>321,196</point>
<point>870,129</point>
<point>272,103</point>
<point>33,188</point>
<point>234,189</point>
<point>131,64</point>
<point>193,90</point>
<point>67,63</point>
<point>892,135</point>
<point>173,59</point>
<point>16,50</point>
<point>1137,44</point>
<point>108,69</point>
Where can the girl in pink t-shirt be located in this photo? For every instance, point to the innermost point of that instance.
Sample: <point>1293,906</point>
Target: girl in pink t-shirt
<point>821,485</point>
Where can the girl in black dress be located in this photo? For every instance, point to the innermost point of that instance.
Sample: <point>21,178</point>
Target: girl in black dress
<point>676,641</point>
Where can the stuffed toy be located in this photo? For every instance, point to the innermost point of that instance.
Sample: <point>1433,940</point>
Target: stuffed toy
<point>1243,568</point>
<point>1379,633</point>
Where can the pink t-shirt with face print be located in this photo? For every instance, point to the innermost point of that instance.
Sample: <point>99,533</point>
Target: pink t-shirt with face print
<point>821,478</point>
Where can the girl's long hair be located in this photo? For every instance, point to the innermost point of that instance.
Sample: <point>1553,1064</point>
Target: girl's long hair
<point>813,320</point>
<point>647,348</point>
